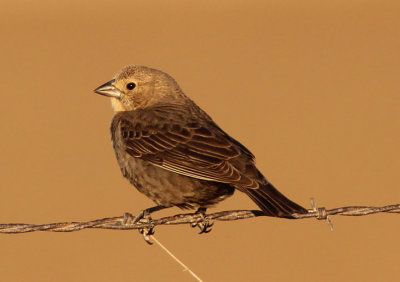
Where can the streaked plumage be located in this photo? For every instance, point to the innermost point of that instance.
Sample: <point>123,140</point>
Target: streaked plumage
<point>173,152</point>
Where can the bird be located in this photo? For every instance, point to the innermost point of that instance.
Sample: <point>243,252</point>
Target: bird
<point>173,152</point>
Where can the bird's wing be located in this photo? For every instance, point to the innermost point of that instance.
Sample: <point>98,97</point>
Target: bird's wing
<point>197,148</point>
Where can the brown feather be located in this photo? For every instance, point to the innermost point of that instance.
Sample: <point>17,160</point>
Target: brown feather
<point>200,151</point>
<point>173,152</point>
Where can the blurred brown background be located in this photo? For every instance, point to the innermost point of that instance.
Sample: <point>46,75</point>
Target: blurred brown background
<point>311,87</point>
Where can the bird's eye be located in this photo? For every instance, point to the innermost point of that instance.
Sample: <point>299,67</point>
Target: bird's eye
<point>130,85</point>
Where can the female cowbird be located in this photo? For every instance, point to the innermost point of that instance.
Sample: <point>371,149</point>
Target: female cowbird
<point>174,153</point>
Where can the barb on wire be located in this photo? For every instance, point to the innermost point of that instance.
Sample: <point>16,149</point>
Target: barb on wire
<point>120,223</point>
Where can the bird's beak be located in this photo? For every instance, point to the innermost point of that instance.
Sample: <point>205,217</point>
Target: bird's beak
<point>108,89</point>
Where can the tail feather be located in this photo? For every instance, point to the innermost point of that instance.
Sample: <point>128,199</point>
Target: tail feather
<point>273,203</point>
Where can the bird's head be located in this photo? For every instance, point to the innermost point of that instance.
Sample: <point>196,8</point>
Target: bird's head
<point>137,87</point>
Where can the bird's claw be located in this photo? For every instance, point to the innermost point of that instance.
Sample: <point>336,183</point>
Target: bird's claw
<point>148,231</point>
<point>144,218</point>
<point>205,225</point>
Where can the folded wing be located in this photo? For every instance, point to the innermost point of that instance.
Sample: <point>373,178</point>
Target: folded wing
<point>185,146</point>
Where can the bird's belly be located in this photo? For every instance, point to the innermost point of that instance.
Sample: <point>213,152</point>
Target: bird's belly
<point>167,188</point>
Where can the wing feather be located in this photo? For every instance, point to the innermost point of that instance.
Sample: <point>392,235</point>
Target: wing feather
<point>188,147</point>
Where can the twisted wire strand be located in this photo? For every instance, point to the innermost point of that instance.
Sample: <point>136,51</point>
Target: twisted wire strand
<point>120,223</point>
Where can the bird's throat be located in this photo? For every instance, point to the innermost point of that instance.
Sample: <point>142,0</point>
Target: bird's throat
<point>117,105</point>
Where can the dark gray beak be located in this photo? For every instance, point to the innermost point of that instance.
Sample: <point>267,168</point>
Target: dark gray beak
<point>108,89</point>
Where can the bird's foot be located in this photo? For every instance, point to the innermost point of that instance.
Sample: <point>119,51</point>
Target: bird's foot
<point>145,218</point>
<point>148,231</point>
<point>146,213</point>
<point>206,224</point>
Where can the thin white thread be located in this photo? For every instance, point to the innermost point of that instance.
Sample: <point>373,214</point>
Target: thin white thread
<point>185,268</point>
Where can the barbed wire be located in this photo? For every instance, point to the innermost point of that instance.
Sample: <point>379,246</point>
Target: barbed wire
<point>123,222</point>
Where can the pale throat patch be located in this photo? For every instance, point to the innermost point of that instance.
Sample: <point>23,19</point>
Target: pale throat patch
<point>117,105</point>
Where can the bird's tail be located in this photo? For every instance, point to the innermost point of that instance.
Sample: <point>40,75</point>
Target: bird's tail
<point>273,203</point>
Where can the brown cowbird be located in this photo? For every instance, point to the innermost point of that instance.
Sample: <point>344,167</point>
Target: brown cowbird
<point>174,153</point>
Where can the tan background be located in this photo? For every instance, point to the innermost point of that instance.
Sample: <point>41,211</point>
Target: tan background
<point>311,87</point>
